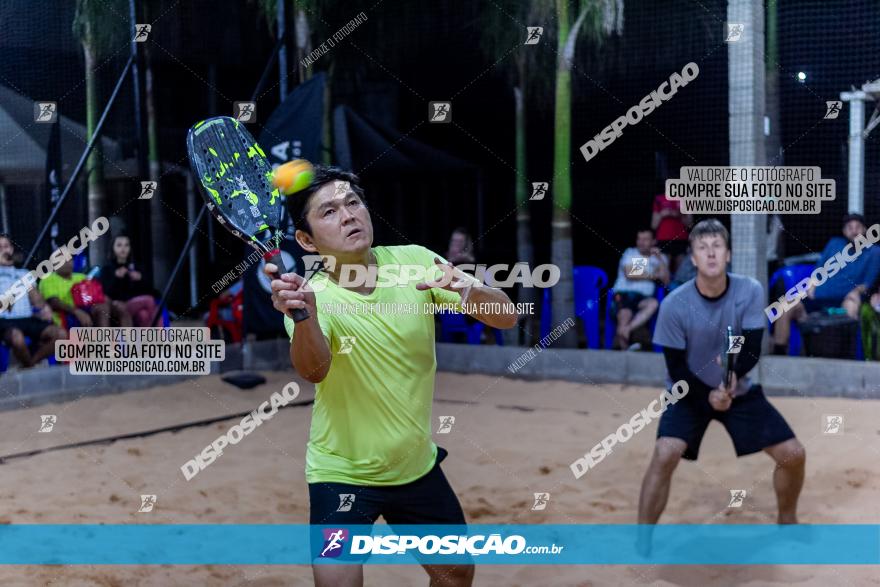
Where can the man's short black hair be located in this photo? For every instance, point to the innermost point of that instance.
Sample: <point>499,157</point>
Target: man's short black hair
<point>298,203</point>
<point>645,229</point>
<point>708,227</point>
<point>854,216</point>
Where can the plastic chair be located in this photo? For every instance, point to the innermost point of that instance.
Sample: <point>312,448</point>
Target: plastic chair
<point>81,263</point>
<point>588,282</point>
<point>234,327</point>
<point>791,276</point>
<point>4,355</point>
<point>453,322</point>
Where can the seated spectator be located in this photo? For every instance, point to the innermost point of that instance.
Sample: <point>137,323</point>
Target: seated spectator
<point>124,281</point>
<point>844,289</point>
<point>57,288</point>
<point>639,268</point>
<point>27,317</point>
<point>461,247</point>
<point>671,229</point>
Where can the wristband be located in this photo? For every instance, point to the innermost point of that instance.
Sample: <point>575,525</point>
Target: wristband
<point>465,294</point>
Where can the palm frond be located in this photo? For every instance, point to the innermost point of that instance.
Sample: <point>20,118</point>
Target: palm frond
<point>102,24</point>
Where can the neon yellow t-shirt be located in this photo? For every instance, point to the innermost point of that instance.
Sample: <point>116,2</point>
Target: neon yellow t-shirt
<point>55,286</point>
<point>371,421</point>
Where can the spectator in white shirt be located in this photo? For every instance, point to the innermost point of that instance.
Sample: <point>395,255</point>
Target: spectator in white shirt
<point>639,268</point>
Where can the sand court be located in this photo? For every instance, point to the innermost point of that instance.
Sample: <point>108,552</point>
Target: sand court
<point>510,439</point>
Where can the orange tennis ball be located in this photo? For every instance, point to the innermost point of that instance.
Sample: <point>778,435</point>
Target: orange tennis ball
<point>293,176</point>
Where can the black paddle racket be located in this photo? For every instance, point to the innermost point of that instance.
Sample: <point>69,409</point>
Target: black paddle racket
<point>237,186</point>
<point>731,357</point>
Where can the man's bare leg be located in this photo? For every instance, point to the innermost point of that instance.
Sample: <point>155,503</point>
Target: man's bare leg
<point>647,307</point>
<point>450,575</point>
<point>655,487</point>
<point>47,342</point>
<point>14,339</point>
<point>658,478</point>
<point>782,326</point>
<point>851,303</point>
<point>621,339</point>
<point>338,575</point>
<point>788,477</point>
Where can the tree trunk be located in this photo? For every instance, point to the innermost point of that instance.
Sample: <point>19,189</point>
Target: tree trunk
<point>775,155</point>
<point>161,241</point>
<point>524,250</point>
<point>774,140</point>
<point>561,250</point>
<point>327,140</point>
<point>97,198</point>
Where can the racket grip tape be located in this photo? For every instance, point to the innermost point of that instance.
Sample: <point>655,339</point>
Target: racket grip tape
<point>274,257</point>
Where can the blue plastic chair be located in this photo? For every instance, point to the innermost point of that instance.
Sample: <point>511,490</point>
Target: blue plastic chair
<point>588,284</point>
<point>453,322</point>
<point>81,263</point>
<point>4,355</point>
<point>791,276</point>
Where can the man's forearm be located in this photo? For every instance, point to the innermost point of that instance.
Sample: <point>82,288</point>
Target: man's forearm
<point>492,307</point>
<point>60,306</point>
<point>308,350</point>
<point>36,298</point>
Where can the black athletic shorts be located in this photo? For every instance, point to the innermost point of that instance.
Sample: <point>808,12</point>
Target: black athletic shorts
<point>626,299</point>
<point>31,327</point>
<point>427,500</point>
<point>752,422</point>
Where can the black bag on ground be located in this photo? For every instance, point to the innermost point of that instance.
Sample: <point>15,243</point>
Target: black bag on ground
<point>832,336</point>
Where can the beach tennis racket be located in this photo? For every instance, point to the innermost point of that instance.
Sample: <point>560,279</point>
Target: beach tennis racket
<point>730,358</point>
<point>237,186</point>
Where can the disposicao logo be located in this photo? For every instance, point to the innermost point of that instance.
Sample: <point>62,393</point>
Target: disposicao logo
<point>334,538</point>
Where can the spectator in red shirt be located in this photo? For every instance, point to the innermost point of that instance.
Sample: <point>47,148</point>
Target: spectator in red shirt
<point>671,229</point>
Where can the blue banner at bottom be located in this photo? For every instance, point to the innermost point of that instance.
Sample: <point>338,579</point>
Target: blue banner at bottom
<point>551,544</point>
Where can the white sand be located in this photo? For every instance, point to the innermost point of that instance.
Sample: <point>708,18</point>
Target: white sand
<point>516,439</point>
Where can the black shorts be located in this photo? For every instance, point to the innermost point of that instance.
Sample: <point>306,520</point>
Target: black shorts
<point>32,327</point>
<point>427,500</point>
<point>813,305</point>
<point>629,300</point>
<point>752,422</point>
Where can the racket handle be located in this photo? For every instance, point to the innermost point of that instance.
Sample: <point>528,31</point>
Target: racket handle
<point>274,257</point>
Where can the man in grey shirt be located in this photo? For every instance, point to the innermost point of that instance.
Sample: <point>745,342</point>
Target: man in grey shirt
<point>692,329</point>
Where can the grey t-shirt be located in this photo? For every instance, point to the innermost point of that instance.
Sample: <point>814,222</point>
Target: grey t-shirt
<point>689,321</point>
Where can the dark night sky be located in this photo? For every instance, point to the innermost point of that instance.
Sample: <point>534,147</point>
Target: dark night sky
<point>409,55</point>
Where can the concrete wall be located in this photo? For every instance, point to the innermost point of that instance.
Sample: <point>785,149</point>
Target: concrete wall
<point>780,375</point>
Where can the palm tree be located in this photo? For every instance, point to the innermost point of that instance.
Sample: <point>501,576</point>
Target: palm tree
<point>595,19</point>
<point>160,244</point>
<point>307,17</point>
<point>96,25</point>
<point>502,35</point>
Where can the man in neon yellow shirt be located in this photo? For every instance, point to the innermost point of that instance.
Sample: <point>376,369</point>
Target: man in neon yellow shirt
<point>57,289</point>
<point>368,345</point>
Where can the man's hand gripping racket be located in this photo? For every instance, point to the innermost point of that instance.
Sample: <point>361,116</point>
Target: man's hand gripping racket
<point>722,398</point>
<point>237,186</point>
